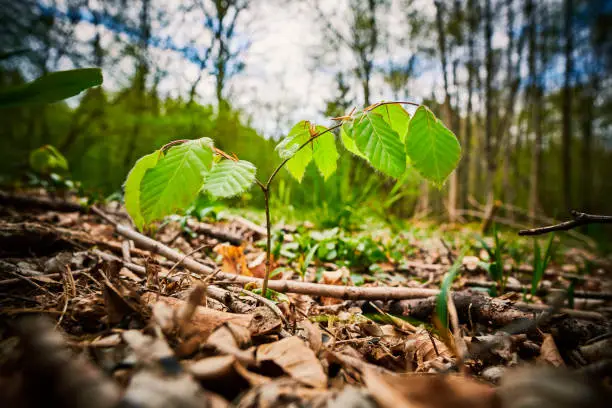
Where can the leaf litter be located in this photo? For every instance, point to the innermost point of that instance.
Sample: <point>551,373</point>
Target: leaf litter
<point>90,318</point>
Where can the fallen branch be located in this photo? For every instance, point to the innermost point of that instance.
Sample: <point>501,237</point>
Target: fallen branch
<point>214,232</point>
<point>477,308</point>
<point>580,218</point>
<point>19,200</point>
<point>283,286</point>
<point>579,314</point>
<point>470,308</point>
<point>541,291</point>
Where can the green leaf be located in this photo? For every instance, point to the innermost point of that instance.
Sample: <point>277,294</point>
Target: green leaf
<point>51,88</point>
<point>288,147</point>
<point>380,144</point>
<point>298,135</point>
<point>175,181</point>
<point>396,116</point>
<point>309,256</point>
<point>325,153</point>
<point>47,159</point>
<point>447,282</point>
<point>229,178</point>
<point>433,149</point>
<point>132,186</point>
<point>346,134</point>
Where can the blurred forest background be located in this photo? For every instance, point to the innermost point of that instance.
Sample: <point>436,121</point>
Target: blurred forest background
<point>524,84</point>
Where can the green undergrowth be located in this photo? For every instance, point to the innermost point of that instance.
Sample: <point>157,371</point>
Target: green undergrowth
<point>373,249</point>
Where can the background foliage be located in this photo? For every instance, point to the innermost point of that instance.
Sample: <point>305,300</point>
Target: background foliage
<point>533,112</point>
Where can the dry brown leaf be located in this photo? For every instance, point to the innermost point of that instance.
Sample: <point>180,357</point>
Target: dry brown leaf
<point>425,348</point>
<point>296,359</point>
<point>148,350</point>
<point>550,387</point>
<point>281,392</point>
<point>264,321</point>
<point>211,367</point>
<point>117,306</point>
<point>252,378</point>
<point>549,353</point>
<point>234,261</point>
<point>429,391</point>
<point>311,333</point>
<point>204,320</point>
<point>151,389</point>
<point>231,339</point>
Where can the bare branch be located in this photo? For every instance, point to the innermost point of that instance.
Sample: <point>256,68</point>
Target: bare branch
<point>580,218</point>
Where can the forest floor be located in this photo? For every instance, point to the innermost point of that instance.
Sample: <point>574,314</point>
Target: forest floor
<point>94,314</point>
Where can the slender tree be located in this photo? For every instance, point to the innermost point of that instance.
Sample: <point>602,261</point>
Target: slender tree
<point>363,39</point>
<point>222,19</point>
<point>534,96</point>
<point>446,108</point>
<point>566,138</point>
<point>473,19</point>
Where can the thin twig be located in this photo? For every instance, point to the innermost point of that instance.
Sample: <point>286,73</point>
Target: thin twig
<point>376,105</point>
<point>186,255</point>
<point>266,191</point>
<point>28,280</point>
<point>265,301</point>
<point>580,218</point>
<point>282,285</point>
<point>104,216</point>
<point>460,346</point>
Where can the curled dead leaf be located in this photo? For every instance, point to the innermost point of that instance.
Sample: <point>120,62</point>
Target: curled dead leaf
<point>296,359</point>
<point>211,367</point>
<point>425,348</point>
<point>232,339</point>
<point>429,391</point>
<point>549,354</point>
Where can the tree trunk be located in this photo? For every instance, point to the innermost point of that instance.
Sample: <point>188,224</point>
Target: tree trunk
<point>534,106</point>
<point>587,143</point>
<point>471,65</point>
<point>141,79</point>
<point>567,105</point>
<point>446,109</point>
<point>488,145</point>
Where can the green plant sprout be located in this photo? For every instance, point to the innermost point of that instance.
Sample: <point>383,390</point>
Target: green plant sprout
<point>383,134</point>
<point>540,262</point>
<point>495,268</point>
<point>445,289</point>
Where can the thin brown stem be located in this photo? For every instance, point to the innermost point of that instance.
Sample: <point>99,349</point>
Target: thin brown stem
<point>266,192</point>
<point>280,166</point>
<point>265,188</point>
<point>376,105</point>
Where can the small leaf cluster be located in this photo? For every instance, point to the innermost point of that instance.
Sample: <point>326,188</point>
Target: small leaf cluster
<point>385,136</point>
<point>47,159</point>
<point>170,179</point>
